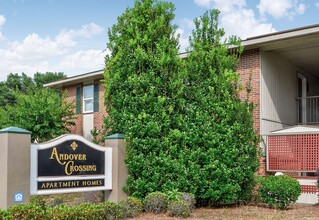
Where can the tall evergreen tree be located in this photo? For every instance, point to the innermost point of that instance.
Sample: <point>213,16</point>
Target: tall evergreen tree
<point>143,81</point>
<point>218,124</point>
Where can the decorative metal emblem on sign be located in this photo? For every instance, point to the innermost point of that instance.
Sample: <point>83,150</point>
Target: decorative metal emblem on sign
<point>74,145</point>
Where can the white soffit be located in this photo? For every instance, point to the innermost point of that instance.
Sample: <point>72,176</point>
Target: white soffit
<point>295,130</point>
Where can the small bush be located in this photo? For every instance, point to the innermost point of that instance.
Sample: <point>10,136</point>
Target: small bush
<point>27,211</point>
<point>5,215</point>
<point>189,198</point>
<point>179,208</point>
<point>173,195</point>
<point>279,191</point>
<point>86,211</point>
<point>39,201</point>
<point>112,211</point>
<point>155,202</point>
<point>131,207</point>
<point>60,212</point>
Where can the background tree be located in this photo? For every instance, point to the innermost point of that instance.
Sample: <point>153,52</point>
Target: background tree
<point>22,82</point>
<point>26,104</point>
<point>42,78</point>
<point>14,82</point>
<point>42,111</point>
<point>3,118</point>
<point>218,125</point>
<point>143,81</point>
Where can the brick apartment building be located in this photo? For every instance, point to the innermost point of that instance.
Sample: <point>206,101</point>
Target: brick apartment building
<point>284,71</point>
<point>87,92</point>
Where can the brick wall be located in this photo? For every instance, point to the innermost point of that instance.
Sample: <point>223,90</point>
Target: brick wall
<point>249,66</point>
<point>71,98</point>
<point>98,116</point>
<point>249,70</point>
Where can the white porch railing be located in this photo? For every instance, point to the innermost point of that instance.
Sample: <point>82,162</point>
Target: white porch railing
<point>308,110</point>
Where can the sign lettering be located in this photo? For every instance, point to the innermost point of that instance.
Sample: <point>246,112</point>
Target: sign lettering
<point>43,185</point>
<point>69,159</point>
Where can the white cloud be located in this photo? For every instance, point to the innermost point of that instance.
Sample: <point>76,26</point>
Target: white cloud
<point>83,61</point>
<point>203,3</point>
<point>244,24</point>
<point>35,53</point>
<point>185,28</point>
<point>225,6</point>
<point>301,9</point>
<point>2,21</point>
<point>187,23</point>
<point>237,19</point>
<point>183,39</point>
<point>282,8</point>
<point>33,47</point>
<point>66,37</point>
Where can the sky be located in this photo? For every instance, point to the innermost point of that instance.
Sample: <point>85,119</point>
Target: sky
<point>70,36</point>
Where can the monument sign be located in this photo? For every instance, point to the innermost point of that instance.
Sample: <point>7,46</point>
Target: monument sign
<point>70,163</point>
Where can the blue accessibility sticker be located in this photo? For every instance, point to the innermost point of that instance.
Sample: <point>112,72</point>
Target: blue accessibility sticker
<point>18,197</point>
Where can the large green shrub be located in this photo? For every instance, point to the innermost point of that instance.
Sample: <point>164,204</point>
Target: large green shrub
<point>279,191</point>
<point>179,208</point>
<point>131,207</point>
<point>143,79</point>
<point>156,202</point>
<point>28,211</point>
<point>217,130</point>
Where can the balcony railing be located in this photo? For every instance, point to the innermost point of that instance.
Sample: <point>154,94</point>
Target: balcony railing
<point>308,110</point>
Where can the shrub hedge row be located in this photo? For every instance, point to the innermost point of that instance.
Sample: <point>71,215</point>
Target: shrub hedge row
<point>84,211</point>
<point>276,191</point>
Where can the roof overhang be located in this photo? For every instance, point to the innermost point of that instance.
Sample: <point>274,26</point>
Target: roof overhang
<point>289,35</point>
<point>300,46</point>
<point>91,76</point>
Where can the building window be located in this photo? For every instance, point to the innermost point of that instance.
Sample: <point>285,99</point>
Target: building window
<point>88,96</point>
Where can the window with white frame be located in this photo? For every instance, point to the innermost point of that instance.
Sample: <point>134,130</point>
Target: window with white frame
<point>88,96</point>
